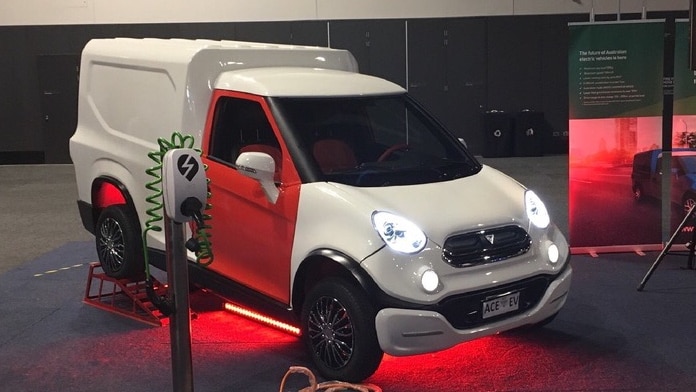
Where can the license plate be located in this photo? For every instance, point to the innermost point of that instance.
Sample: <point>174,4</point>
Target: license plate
<point>501,305</point>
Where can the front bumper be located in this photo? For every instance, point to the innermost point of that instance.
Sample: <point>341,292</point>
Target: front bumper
<point>408,332</point>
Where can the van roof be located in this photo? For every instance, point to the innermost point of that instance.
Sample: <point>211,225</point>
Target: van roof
<point>304,82</point>
<point>231,54</point>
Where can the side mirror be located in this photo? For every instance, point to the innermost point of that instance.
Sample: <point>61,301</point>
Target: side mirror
<point>261,167</point>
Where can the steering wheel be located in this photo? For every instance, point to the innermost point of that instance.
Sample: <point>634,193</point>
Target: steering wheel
<point>386,154</point>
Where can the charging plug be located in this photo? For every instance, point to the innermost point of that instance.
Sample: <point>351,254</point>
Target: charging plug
<point>161,302</point>
<point>185,188</point>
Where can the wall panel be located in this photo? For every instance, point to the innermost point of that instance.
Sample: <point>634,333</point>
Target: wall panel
<point>466,71</point>
<point>271,32</point>
<point>312,33</point>
<point>216,31</point>
<point>427,67</point>
<point>379,46</point>
<point>458,67</point>
<point>514,61</point>
<point>19,143</point>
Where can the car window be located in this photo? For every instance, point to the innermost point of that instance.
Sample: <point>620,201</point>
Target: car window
<point>686,164</point>
<point>240,125</point>
<point>374,140</point>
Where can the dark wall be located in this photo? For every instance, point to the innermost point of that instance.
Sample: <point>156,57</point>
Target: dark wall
<point>458,67</point>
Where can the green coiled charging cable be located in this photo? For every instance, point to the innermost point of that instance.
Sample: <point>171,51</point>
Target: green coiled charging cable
<point>201,240</point>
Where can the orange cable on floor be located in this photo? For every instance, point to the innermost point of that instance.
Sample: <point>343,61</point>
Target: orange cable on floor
<point>328,386</point>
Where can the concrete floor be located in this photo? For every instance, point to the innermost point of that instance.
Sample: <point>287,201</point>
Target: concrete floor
<point>40,211</point>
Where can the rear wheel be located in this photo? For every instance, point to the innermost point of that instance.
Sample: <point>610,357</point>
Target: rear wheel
<point>119,245</point>
<point>339,330</point>
<point>688,201</point>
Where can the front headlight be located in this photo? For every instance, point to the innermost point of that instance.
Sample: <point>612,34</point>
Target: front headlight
<point>398,233</point>
<point>536,210</point>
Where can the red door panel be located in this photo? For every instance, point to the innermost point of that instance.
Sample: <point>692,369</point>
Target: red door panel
<point>251,237</point>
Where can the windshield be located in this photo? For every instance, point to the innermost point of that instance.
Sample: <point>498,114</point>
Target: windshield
<point>372,141</point>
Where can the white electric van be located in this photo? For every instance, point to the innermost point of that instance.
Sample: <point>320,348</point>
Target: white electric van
<point>338,202</point>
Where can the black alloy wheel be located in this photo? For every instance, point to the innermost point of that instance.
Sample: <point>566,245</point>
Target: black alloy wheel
<point>119,245</point>
<point>339,331</point>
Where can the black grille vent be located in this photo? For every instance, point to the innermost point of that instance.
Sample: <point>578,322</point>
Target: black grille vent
<point>486,246</point>
<point>466,311</point>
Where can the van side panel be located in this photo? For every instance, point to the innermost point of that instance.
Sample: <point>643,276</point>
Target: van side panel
<point>134,91</point>
<point>140,102</point>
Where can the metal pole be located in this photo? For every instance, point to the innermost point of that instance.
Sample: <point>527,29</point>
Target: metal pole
<point>592,12</point>
<point>667,126</point>
<point>618,11</point>
<point>666,249</point>
<point>180,319</point>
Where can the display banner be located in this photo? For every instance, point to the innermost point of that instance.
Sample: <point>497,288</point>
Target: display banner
<point>683,178</point>
<point>615,112</point>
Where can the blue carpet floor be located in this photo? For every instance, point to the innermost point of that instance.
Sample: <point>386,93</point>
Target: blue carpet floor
<point>609,337</point>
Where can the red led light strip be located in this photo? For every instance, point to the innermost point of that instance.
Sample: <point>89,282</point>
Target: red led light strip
<point>262,319</point>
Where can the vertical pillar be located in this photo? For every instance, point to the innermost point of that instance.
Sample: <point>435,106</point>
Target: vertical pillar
<point>180,319</point>
<point>667,112</point>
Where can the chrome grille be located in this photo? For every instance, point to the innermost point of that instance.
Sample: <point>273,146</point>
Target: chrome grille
<point>486,246</point>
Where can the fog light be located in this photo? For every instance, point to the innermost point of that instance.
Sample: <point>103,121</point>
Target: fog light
<point>430,280</point>
<point>553,253</point>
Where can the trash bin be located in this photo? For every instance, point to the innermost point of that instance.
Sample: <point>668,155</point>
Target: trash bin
<point>530,130</point>
<point>497,138</point>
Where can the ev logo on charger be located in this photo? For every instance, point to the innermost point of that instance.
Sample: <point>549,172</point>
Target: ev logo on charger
<point>188,166</point>
<point>183,178</point>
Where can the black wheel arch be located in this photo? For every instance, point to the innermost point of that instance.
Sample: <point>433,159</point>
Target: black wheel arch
<point>325,263</point>
<point>97,205</point>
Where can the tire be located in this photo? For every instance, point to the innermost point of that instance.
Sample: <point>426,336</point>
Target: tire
<point>638,193</point>
<point>339,331</point>
<point>119,242</point>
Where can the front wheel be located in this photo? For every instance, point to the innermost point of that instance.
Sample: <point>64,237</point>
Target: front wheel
<point>339,331</point>
<point>119,245</point>
<point>638,193</point>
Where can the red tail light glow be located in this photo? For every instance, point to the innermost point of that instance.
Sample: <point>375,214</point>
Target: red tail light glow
<point>262,319</point>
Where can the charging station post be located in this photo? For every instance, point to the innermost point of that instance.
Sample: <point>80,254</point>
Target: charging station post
<point>184,195</point>
<point>180,319</point>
